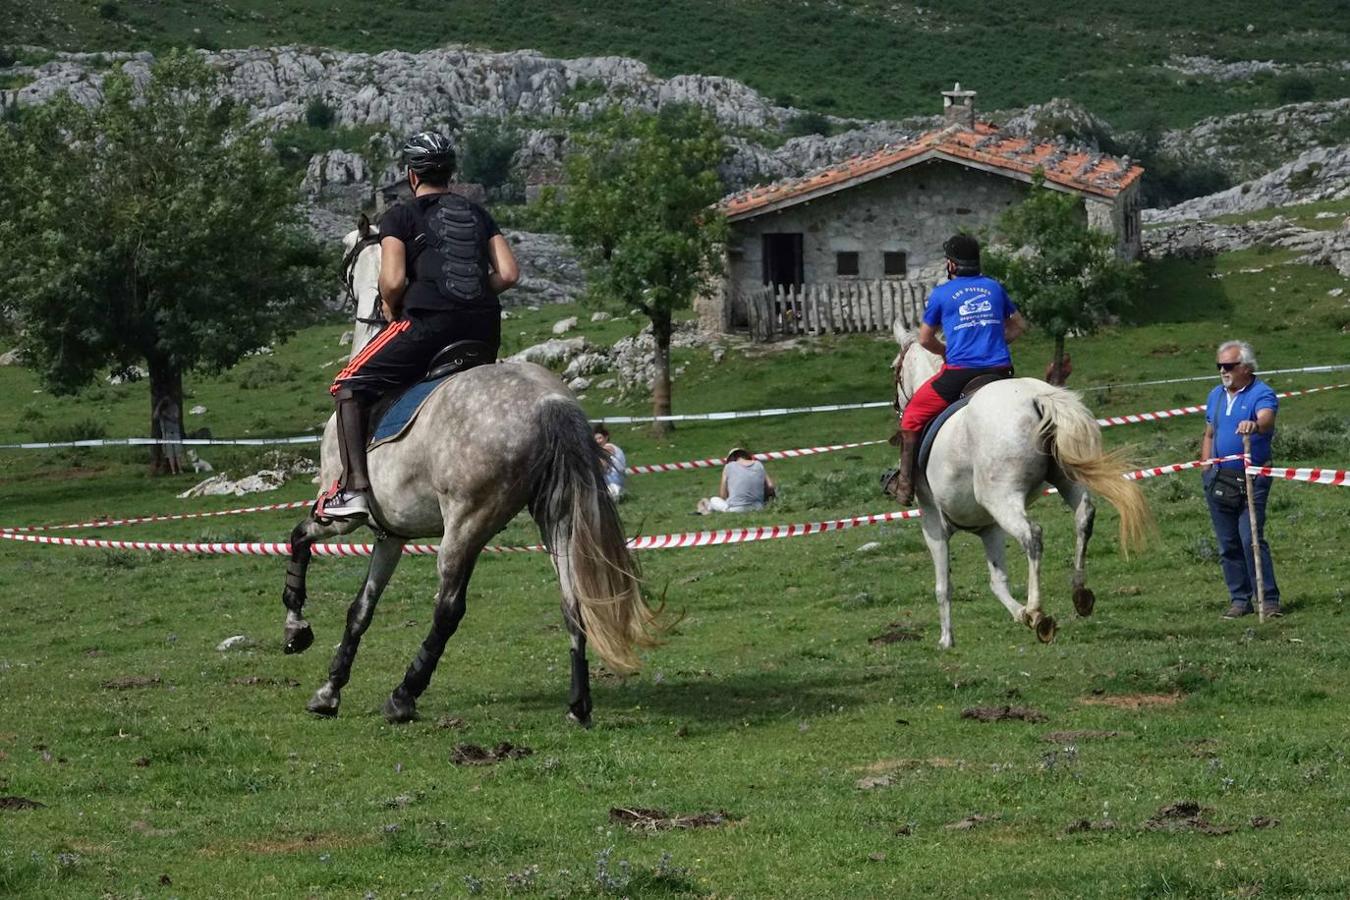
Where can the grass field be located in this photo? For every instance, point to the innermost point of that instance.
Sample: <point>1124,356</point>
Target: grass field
<point>168,768</point>
<point>860,58</point>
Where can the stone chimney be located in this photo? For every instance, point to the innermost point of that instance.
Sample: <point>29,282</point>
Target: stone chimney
<point>958,107</point>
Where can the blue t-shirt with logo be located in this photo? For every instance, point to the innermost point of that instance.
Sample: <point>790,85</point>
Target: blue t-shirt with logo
<point>970,310</point>
<point>1224,411</point>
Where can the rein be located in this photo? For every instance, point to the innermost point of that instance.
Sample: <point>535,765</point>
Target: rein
<point>349,266</point>
<point>898,373</point>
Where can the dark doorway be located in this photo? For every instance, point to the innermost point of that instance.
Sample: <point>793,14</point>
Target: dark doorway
<point>783,260</point>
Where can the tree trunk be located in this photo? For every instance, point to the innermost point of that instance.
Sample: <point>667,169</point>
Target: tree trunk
<point>661,329</point>
<point>1058,373</point>
<point>166,415</point>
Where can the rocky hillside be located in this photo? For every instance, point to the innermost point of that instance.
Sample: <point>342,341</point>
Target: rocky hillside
<point>373,100</point>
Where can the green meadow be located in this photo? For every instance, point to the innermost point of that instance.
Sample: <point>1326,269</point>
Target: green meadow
<point>800,698</point>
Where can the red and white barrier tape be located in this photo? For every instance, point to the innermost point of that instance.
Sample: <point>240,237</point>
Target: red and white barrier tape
<point>713,462</point>
<point>666,467</point>
<point>1190,410</point>
<point>1312,476</point>
<point>642,542</point>
<point>141,520</point>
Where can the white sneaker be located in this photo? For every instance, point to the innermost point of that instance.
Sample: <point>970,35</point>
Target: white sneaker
<point>347,505</point>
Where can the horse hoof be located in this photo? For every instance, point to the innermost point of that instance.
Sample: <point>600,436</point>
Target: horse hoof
<point>1045,629</point>
<point>299,640</point>
<point>324,703</point>
<point>578,721</point>
<point>1083,601</point>
<point>399,712</point>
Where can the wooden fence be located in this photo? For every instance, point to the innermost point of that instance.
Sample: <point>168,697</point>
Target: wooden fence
<point>834,307</point>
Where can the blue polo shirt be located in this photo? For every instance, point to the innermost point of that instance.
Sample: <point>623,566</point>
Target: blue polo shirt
<point>1224,411</point>
<point>970,310</point>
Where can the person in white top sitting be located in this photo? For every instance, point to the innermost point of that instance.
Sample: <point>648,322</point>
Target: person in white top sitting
<point>616,465</point>
<point>745,485</point>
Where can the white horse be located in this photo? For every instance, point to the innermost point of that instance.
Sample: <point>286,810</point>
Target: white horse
<point>361,269</point>
<point>486,444</point>
<point>994,457</point>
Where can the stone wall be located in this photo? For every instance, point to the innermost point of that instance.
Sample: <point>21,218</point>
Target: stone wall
<point>912,211</point>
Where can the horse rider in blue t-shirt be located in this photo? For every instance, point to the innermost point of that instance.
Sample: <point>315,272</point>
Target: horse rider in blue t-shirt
<point>978,321</point>
<point>1241,405</point>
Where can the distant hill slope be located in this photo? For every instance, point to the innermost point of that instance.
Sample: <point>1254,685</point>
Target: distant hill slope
<point>1152,61</point>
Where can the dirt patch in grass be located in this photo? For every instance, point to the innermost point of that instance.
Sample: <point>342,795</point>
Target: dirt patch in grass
<point>451,722</point>
<point>127,682</point>
<point>1132,701</point>
<point>1083,825</point>
<point>1073,737</point>
<point>10,803</point>
<point>639,819</point>
<point>882,772</point>
<point>970,822</point>
<point>304,844</point>
<point>474,755</point>
<point>1003,713</point>
<point>896,633</point>
<point>1185,815</point>
<point>140,826</point>
<point>261,680</point>
<point>1259,822</point>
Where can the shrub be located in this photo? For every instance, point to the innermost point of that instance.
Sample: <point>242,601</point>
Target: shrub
<point>82,430</point>
<point>489,147</point>
<point>318,114</point>
<point>109,10</point>
<point>1293,88</point>
<point>808,123</point>
<point>7,58</point>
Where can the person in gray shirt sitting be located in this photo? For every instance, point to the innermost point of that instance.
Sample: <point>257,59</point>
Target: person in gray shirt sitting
<point>745,485</point>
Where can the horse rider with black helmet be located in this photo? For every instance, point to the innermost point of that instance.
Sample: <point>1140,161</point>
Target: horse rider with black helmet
<point>443,261</point>
<point>978,321</point>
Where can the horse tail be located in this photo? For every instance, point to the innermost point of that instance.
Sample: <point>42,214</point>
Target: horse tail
<point>580,525</point>
<point>1072,436</point>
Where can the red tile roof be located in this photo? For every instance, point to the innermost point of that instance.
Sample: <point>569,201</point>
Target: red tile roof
<point>984,145</point>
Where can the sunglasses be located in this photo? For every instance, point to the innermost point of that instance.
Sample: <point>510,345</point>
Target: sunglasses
<point>1228,367</point>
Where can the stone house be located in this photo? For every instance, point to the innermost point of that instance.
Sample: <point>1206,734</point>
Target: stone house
<point>398,190</point>
<point>883,216</point>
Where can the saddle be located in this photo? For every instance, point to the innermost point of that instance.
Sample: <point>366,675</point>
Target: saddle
<point>395,412</point>
<point>930,431</point>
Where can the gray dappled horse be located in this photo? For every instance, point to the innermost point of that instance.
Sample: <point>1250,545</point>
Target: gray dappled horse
<point>486,444</point>
<point>994,457</point>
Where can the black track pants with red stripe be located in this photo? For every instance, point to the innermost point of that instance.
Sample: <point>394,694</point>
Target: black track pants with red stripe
<point>399,355</point>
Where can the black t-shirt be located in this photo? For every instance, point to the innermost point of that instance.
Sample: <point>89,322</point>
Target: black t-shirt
<point>403,223</point>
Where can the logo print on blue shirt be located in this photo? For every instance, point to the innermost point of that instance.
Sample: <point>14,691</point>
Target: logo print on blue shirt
<point>974,306</point>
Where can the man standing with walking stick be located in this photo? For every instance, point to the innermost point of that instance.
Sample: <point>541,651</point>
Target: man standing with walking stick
<point>1240,418</point>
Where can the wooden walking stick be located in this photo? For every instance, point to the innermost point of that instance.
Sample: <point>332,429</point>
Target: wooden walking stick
<point>1256,537</point>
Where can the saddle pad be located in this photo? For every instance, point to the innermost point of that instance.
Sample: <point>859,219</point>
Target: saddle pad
<point>403,411</point>
<point>930,431</point>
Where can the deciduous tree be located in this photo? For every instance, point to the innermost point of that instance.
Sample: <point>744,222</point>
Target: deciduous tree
<point>1063,275</point>
<point>156,227</point>
<point>639,202</point>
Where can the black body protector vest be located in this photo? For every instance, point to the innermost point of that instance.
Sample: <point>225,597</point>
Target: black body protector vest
<point>454,234</point>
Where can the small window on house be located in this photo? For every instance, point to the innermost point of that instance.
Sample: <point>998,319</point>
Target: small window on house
<point>895,264</point>
<point>846,263</point>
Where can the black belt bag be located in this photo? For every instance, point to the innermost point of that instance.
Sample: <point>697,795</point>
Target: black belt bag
<point>1227,490</point>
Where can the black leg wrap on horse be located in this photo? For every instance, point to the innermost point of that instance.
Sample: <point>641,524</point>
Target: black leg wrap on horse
<point>446,622</point>
<point>293,595</point>
<point>351,433</point>
<point>579,700</point>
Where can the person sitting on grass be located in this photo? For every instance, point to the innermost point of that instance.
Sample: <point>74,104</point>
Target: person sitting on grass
<point>745,485</point>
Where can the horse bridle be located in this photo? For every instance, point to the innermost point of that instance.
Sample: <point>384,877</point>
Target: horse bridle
<point>897,372</point>
<point>348,276</point>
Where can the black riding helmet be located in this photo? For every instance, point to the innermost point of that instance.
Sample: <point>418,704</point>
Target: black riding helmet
<point>963,250</point>
<point>429,153</point>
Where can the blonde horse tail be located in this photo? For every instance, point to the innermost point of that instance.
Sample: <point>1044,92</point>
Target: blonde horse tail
<point>1074,438</point>
<point>580,524</point>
